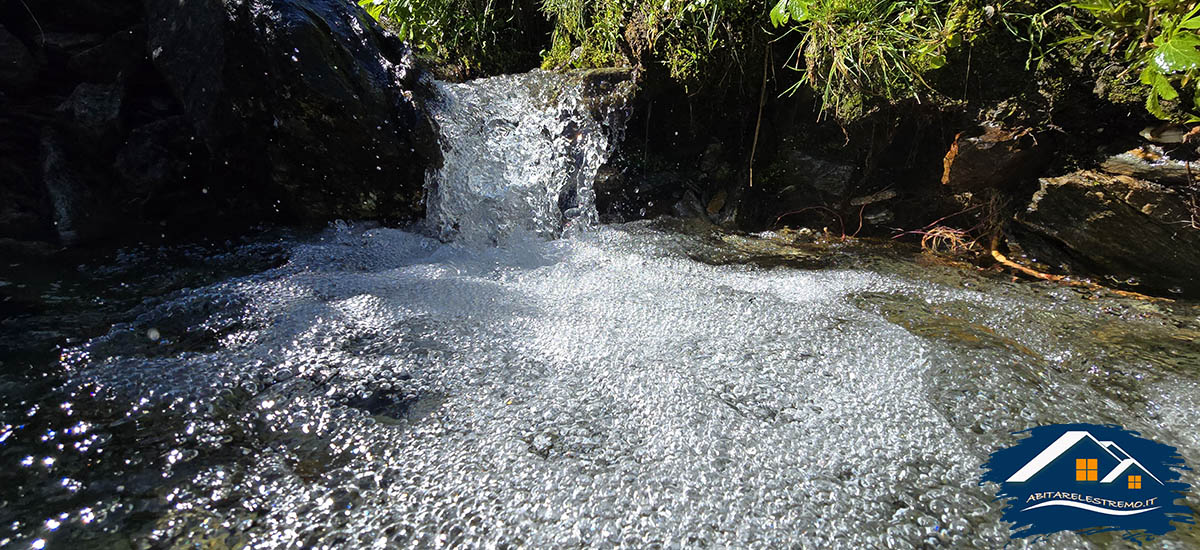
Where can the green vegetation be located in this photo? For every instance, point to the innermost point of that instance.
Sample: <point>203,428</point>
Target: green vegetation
<point>1155,40</point>
<point>856,53</point>
<point>466,37</point>
<point>856,56</point>
<point>692,38</point>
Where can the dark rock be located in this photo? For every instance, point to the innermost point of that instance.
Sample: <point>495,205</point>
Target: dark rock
<point>1130,232</point>
<point>79,213</point>
<point>93,112</point>
<point>799,189</point>
<point>91,16</point>
<point>309,97</point>
<point>1150,162</point>
<point>17,220</point>
<point>147,160</point>
<point>830,180</point>
<point>67,44</point>
<point>17,67</point>
<point>120,54</point>
<point>997,158</point>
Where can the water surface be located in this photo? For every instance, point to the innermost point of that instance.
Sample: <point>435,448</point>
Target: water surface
<point>638,385</point>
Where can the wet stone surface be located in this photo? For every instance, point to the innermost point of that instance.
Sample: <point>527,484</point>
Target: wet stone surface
<point>624,387</point>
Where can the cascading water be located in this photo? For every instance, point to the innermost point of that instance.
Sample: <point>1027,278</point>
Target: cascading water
<point>646,385</point>
<point>521,152</point>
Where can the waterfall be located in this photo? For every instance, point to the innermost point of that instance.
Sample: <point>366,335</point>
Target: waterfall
<point>521,152</point>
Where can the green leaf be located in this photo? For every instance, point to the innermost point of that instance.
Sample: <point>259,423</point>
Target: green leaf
<point>1163,88</point>
<point>937,61</point>
<point>1147,75</point>
<point>372,7</point>
<point>1178,54</point>
<point>799,9</point>
<point>908,16</point>
<point>779,13</point>
<point>1154,108</point>
<point>1189,20</point>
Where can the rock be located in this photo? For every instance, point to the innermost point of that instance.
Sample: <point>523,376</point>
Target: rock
<point>1130,232</point>
<point>120,54</point>
<point>93,112</point>
<point>17,68</point>
<point>997,158</point>
<point>79,214</point>
<point>1150,162</point>
<point>92,16</point>
<point>67,44</point>
<point>798,189</point>
<point>309,97</point>
<point>151,159</point>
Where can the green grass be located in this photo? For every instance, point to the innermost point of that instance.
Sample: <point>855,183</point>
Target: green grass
<point>467,37</point>
<point>860,54</point>
<point>856,56</point>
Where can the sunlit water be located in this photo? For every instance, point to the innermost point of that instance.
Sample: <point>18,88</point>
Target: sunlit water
<point>641,385</point>
<point>628,386</point>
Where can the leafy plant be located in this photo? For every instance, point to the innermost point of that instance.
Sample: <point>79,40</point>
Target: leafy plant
<point>857,52</point>
<point>480,36</point>
<point>1155,39</point>
<point>694,39</point>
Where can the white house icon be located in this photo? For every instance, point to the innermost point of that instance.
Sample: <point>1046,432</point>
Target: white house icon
<point>1068,440</point>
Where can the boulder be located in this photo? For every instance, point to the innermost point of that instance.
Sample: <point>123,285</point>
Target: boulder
<point>309,99</point>
<point>17,67</point>
<point>119,55</point>
<point>153,158</point>
<point>93,113</point>
<point>1129,232</point>
<point>80,213</point>
<point>993,157</point>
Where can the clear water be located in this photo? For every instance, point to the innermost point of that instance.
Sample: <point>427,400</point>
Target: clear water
<point>640,385</point>
<point>520,154</point>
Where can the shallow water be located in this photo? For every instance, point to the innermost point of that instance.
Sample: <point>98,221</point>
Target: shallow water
<point>638,385</point>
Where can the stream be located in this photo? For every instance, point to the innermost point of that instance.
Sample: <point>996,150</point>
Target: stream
<point>513,374</point>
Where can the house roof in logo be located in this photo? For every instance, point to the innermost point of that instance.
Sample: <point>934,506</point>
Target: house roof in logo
<point>1068,440</point>
<point>1123,467</point>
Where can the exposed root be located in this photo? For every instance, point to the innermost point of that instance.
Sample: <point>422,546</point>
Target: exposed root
<point>1030,272</point>
<point>942,239</point>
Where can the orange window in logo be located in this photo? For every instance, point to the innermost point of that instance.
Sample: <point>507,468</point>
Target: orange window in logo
<point>1135,482</point>
<point>1086,468</point>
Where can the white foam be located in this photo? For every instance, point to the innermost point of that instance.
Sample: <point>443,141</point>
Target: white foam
<point>597,390</point>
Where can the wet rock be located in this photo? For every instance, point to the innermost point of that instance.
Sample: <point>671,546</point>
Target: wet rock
<point>1130,232</point>
<point>151,160</point>
<point>79,214</point>
<point>120,54</point>
<point>310,97</point>
<point>67,44</point>
<point>994,157</point>
<point>799,189</point>
<point>1151,162</point>
<point>17,68</point>
<point>93,112</point>
<point>86,16</point>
